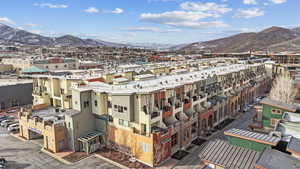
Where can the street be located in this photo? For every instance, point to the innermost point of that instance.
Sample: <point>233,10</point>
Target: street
<point>27,155</point>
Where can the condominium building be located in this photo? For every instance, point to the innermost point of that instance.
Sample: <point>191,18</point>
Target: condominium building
<point>151,116</point>
<point>47,64</point>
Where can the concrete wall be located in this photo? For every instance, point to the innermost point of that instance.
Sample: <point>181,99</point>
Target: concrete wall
<point>21,93</point>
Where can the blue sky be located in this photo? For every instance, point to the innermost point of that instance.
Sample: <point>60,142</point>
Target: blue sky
<point>145,21</point>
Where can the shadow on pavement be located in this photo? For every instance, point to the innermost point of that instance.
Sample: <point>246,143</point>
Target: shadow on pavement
<point>15,165</point>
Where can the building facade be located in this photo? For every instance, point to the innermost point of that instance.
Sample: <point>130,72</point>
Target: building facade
<point>153,117</point>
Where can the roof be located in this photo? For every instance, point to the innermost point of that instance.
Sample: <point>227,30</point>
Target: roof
<point>34,69</point>
<point>273,159</point>
<point>253,136</point>
<point>294,146</point>
<point>278,104</point>
<point>11,82</point>
<point>292,117</point>
<point>289,128</point>
<point>222,153</point>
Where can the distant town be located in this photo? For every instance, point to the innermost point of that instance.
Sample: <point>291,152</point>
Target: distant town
<point>111,107</point>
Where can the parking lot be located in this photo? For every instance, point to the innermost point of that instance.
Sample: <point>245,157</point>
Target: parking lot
<point>27,155</point>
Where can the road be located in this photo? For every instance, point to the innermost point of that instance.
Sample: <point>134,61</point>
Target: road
<point>26,155</point>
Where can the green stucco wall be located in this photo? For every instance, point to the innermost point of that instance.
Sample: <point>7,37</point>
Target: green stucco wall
<point>267,115</point>
<point>248,144</point>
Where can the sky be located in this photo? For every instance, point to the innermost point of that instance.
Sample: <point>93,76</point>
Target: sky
<point>149,21</point>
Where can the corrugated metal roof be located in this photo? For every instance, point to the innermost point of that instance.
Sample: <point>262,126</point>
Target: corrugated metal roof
<point>244,134</point>
<point>222,153</point>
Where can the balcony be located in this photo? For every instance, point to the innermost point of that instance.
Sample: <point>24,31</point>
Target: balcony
<point>178,104</point>
<point>187,105</point>
<point>195,98</point>
<point>155,114</point>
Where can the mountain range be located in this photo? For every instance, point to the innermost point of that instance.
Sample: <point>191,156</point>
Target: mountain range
<point>275,39</point>
<point>14,36</point>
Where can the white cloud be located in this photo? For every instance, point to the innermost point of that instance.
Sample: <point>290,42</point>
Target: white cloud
<point>278,1</point>
<point>174,16</point>
<point>250,2</point>
<point>6,20</point>
<point>151,29</point>
<point>91,10</point>
<point>199,25</point>
<point>49,5</point>
<point>249,13</point>
<point>209,7</point>
<point>187,19</point>
<point>117,11</point>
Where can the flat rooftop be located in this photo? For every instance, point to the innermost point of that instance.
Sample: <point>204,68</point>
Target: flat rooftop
<point>10,82</point>
<point>164,81</point>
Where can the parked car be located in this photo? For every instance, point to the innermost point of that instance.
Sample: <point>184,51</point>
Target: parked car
<point>2,163</point>
<point>4,122</point>
<point>13,127</point>
<point>6,118</point>
<point>10,123</point>
<point>2,118</point>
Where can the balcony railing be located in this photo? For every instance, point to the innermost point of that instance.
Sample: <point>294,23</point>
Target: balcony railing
<point>154,114</point>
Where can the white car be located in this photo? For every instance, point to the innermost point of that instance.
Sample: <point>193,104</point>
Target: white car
<point>13,127</point>
<point>4,122</point>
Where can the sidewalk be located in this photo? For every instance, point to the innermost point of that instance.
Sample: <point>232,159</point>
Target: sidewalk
<point>58,156</point>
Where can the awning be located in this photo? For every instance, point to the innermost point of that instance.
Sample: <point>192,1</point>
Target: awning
<point>232,92</point>
<point>169,121</point>
<point>207,105</point>
<point>228,94</point>
<point>220,98</point>
<point>90,136</point>
<point>182,117</point>
<point>189,112</point>
<point>223,95</point>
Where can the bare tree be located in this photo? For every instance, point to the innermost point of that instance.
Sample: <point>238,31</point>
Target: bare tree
<point>283,89</point>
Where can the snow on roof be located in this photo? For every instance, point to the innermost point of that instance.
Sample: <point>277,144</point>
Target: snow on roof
<point>162,82</point>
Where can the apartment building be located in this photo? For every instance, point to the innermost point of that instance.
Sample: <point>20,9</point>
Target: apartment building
<point>47,64</point>
<point>151,116</point>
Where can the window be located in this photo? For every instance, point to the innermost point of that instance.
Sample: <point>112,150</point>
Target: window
<point>120,109</point>
<point>62,91</point>
<point>273,122</point>
<point>65,66</point>
<point>96,103</point>
<point>125,109</point>
<point>76,102</point>
<point>144,147</point>
<point>86,104</point>
<point>109,104</point>
<point>174,140</point>
<point>56,66</point>
<point>123,123</point>
<point>276,111</point>
<point>194,127</point>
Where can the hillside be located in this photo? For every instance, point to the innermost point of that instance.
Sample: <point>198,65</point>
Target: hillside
<point>248,41</point>
<point>14,36</point>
